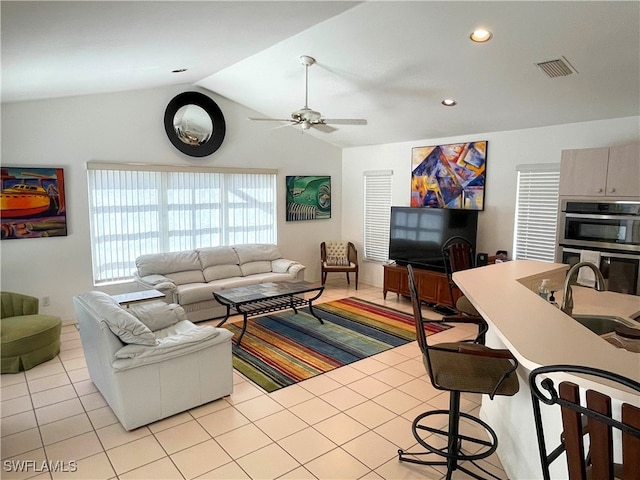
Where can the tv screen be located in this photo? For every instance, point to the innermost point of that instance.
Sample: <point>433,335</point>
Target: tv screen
<point>416,235</point>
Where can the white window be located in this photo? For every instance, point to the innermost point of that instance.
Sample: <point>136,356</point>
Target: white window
<point>140,209</point>
<point>377,212</point>
<point>536,212</point>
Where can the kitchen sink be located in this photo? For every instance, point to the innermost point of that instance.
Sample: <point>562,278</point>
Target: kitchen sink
<point>602,324</point>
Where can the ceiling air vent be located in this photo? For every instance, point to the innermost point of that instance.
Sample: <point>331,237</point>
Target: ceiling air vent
<point>556,68</point>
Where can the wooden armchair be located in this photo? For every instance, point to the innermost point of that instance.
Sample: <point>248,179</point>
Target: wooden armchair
<point>338,256</point>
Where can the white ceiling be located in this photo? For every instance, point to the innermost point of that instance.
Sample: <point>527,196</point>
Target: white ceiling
<point>389,62</point>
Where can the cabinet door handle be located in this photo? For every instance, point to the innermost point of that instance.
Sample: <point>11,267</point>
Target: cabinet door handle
<point>612,189</point>
<point>600,190</point>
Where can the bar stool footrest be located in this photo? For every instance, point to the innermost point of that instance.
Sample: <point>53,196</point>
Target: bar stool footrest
<point>449,456</point>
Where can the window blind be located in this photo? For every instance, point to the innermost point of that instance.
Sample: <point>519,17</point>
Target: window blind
<point>377,211</point>
<point>140,209</point>
<point>536,212</point>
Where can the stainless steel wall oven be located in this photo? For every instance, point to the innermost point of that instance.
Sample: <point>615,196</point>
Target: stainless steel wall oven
<point>610,228</point>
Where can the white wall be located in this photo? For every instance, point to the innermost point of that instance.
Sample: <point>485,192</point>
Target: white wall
<point>128,127</point>
<point>505,150</point>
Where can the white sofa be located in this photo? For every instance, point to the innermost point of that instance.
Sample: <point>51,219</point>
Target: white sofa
<point>190,277</point>
<point>148,361</point>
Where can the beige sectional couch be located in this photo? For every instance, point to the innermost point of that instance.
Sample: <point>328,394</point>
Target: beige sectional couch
<point>188,278</point>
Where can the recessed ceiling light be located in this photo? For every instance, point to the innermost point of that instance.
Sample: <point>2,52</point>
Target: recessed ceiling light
<point>481,35</point>
<point>449,102</point>
<point>179,70</point>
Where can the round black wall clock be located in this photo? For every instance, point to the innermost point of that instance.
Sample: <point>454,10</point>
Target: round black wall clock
<point>194,124</point>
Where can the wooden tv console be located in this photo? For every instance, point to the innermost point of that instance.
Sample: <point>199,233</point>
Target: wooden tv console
<point>433,287</point>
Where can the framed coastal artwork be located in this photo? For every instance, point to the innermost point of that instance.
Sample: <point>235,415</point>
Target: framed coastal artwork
<point>308,197</point>
<point>449,176</point>
<point>32,203</point>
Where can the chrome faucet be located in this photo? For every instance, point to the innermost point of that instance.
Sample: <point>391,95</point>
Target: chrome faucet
<point>567,294</point>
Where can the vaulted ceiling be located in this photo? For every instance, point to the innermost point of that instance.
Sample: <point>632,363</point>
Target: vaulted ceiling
<point>391,63</point>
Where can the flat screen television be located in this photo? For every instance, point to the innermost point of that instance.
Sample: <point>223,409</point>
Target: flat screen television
<point>416,235</point>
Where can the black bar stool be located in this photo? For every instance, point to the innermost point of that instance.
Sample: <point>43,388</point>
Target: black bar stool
<point>458,367</point>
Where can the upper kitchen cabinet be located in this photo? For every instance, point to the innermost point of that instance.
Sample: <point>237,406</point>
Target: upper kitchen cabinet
<point>623,174</point>
<point>600,172</point>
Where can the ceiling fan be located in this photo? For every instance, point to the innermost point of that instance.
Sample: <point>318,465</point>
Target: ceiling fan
<point>308,118</point>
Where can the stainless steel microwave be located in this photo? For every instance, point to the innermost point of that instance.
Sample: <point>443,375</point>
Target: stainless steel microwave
<point>602,225</point>
<point>611,228</point>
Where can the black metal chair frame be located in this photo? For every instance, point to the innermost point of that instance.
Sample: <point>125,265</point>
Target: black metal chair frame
<point>594,419</point>
<point>452,454</point>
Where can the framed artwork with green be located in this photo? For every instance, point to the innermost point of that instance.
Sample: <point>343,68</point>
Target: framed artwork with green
<point>308,197</point>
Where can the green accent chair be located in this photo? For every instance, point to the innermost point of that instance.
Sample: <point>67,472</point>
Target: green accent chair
<point>28,338</point>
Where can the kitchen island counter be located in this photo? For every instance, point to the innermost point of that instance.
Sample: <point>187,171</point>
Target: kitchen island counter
<point>538,333</point>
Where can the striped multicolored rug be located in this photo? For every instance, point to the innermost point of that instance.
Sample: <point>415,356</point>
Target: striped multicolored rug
<point>284,348</point>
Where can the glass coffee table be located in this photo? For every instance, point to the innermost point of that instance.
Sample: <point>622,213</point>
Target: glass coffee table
<point>127,299</point>
<point>254,300</point>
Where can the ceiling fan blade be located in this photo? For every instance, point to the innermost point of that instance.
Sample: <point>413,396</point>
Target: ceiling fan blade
<point>285,125</point>
<point>344,121</point>
<point>273,119</point>
<point>323,128</point>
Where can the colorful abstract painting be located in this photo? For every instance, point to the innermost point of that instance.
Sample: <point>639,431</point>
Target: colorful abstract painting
<point>32,203</point>
<point>449,176</point>
<point>308,197</point>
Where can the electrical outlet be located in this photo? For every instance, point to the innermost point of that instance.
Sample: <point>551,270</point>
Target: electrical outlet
<point>46,301</point>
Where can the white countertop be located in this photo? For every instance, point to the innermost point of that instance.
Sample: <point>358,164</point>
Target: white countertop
<point>535,331</point>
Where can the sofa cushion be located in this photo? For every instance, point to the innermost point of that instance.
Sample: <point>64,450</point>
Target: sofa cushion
<point>127,327</point>
<point>171,262</point>
<point>182,277</point>
<point>273,277</point>
<point>178,340</point>
<point>257,252</point>
<point>194,292</point>
<point>202,292</point>
<point>217,272</point>
<point>252,268</point>
<point>212,256</point>
<point>158,315</point>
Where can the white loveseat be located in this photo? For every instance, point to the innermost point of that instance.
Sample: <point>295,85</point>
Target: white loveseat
<point>148,361</point>
<point>190,277</point>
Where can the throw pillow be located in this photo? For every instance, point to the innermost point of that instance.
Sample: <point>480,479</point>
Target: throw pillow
<point>158,315</point>
<point>338,261</point>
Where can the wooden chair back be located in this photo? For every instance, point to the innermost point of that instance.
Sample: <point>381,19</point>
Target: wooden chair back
<point>458,254</point>
<point>592,417</point>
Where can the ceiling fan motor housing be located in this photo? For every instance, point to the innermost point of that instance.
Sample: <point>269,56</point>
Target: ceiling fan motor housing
<point>306,114</point>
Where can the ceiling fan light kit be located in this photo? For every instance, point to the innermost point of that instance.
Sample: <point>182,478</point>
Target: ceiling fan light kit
<point>308,118</point>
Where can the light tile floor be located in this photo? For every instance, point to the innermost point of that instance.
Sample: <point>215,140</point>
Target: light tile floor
<point>345,424</point>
